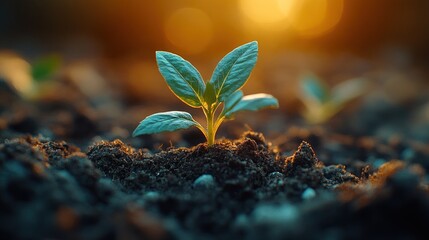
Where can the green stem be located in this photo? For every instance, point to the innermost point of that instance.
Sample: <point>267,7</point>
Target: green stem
<point>217,123</point>
<point>210,129</point>
<point>212,123</point>
<point>202,129</point>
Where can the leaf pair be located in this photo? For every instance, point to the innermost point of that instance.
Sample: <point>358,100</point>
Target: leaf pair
<point>186,83</point>
<point>321,102</point>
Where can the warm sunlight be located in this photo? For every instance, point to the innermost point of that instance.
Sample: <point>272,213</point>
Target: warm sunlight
<point>314,17</point>
<point>16,70</point>
<point>271,14</point>
<point>189,29</point>
<point>306,17</point>
<point>221,119</point>
<point>269,11</point>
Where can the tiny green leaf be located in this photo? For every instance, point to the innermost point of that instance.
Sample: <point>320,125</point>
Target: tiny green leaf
<point>348,90</point>
<point>44,67</point>
<point>314,90</point>
<point>209,94</point>
<point>254,102</point>
<point>182,78</point>
<point>234,69</point>
<point>164,122</point>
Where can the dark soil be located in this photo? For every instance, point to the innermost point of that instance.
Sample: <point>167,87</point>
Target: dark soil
<point>243,189</point>
<point>65,175</point>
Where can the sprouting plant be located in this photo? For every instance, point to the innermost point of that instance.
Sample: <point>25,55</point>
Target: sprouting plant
<point>42,69</point>
<point>30,80</point>
<point>186,83</point>
<point>321,102</point>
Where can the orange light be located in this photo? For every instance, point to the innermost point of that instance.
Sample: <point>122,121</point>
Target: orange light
<point>268,11</point>
<point>314,17</point>
<point>308,15</point>
<point>304,17</point>
<point>267,14</point>
<point>16,70</point>
<point>189,29</point>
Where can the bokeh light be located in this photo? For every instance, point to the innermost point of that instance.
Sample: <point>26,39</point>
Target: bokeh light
<point>314,17</point>
<point>15,70</point>
<point>289,32</point>
<point>189,29</point>
<point>308,15</point>
<point>268,14</point>
<point>303,17</point>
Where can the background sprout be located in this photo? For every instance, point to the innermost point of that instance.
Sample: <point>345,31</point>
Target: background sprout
<point>321,103</point>
<point>29,79</point>
<point>44,68</point>
<point>186,83</point>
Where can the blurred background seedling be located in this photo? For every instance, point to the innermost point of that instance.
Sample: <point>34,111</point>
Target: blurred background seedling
<point>322,102</point>
<point>30,79</point>
<point>45,67</point>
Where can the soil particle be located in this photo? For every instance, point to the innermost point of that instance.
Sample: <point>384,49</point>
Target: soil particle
<point>115,160</point>
<point>304,157</point>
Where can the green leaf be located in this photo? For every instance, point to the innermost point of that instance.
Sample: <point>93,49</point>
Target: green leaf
<point>348,90</point>
<point>234,69</point>
<point>45,67</point>
<point>314,90</point>
<point>209,94</point>
<point>183,79</point>
<point>231,101</point>
<point>164,122</point>
<point>254,102</point>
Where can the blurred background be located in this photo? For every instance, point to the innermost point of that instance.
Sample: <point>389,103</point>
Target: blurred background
<point>105,50</point>
<point>138,28</point>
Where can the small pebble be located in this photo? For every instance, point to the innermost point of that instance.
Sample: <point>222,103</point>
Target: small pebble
<point>205,181</point>
<point>276,179</point>
<point>308,193</point>
<point>271,214</point>
<point>152,196</point>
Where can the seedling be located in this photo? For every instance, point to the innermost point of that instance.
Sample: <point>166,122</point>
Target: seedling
<point>29,80</point>
<point>323,103</point>
<point>44,68</point>
<point>186,83</point>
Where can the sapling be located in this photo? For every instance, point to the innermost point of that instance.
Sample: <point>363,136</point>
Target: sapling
<point>322,102</point>
<point>223,89</point>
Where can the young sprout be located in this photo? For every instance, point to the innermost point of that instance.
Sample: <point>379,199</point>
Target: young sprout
<point>43,68</point>
<point>186,83</point>
<point>29,80</point>
<point>323,103</point>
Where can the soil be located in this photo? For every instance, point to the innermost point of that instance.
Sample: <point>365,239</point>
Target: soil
<point>69,170</point>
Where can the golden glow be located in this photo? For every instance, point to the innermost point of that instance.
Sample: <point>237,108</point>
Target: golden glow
<point>308,15</point>
<point>333,16</point>
<point>305,17</point>
<point>267,11</point>
<point>16,70</point>
<point>314,17</point>
<point>189,29</point>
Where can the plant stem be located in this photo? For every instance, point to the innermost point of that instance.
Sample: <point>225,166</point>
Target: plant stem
<point>211,132</point>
